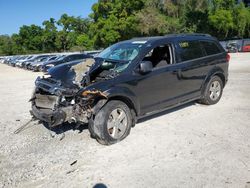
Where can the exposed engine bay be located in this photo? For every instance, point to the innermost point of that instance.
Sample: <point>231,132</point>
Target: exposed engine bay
<point>64,95</point>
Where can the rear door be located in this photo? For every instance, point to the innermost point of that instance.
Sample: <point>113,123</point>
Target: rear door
<point>192,71</point>
<point>196,58</point>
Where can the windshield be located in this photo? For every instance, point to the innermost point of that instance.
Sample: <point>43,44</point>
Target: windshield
<point>42,58</point>
<point>121,51</point>
<point>60,57</point>
<point>29,57</point>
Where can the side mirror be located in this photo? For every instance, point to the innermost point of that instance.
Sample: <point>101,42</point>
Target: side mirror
<point>145,67</point>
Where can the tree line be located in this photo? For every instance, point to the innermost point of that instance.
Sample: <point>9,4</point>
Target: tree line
<point>115,20</point>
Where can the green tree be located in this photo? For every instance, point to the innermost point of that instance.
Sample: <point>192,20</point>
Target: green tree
<point>113,20</point>
<point>152,22</point>
<point>84,42</point>
<point>196,16</point>
<point>222,4</point>
<point>159,17</point>
<point>66,22</point>
<point>17,44</point>
<point>61,41</point>
<point>49,35</point>
<point>222,21</point>
<point>241,20</point>
<point>80,25</point>
<point>71,27</point>
<point>31,38</point>
<point>6,45</point>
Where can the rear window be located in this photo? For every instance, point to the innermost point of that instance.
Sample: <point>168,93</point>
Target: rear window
<point>210,47</point>
<point>190,50</point>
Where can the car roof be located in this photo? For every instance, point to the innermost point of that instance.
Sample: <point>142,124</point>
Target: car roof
<point>193,36</point>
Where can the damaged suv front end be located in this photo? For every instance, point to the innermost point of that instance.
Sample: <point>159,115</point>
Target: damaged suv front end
<point>60,96</point>
<point>74,92</point>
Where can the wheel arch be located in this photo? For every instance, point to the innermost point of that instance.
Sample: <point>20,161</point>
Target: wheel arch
<point>222,77</point>
<point>214,72</point>
<point>127,98</point>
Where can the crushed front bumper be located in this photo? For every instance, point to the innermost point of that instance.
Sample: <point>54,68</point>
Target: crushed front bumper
<point>44,108</point>
<point>52,117</point>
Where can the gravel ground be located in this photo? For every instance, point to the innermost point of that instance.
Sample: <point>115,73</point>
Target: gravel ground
<point>189,146</point>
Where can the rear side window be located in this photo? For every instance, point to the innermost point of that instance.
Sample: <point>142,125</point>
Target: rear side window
<point>190,50</point>
<point>210,47</point>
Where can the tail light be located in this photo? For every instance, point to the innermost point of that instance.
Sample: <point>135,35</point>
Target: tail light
<point>228,58</point>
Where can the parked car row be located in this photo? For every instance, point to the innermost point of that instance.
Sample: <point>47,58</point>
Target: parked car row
<point>43,62</point>
<point>236,45</point>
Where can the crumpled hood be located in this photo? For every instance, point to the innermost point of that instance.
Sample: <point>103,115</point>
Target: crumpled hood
<point>77,74</point>
<point>68,70</point>
<point>61,72</point>
<point>73,72</point>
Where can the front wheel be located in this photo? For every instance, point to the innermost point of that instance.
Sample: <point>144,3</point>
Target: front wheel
<point>213,91</point>
<point>112,123</point>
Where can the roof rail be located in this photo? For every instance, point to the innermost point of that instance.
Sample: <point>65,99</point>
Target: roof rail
<point>190,34</point>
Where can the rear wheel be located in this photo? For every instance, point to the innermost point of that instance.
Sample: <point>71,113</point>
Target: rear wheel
<point>213,91</point>
<point>112,123</point>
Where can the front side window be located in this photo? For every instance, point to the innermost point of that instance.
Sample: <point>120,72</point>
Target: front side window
<point>189,50</point>
<point>160,56</point>
<point>210,47</point>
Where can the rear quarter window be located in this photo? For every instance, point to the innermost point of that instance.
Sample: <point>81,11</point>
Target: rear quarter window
<point>210,47</point>
<point>189,50</point>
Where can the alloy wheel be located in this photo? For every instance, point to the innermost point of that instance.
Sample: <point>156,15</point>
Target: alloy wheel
<point>215,90</point>
<point>117,123</point>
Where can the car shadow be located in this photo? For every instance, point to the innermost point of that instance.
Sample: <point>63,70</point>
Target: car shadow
<point>99,185</point>
<point>66,127</point>
<point>164,112</point>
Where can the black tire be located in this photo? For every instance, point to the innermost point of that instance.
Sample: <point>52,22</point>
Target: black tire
<point>208,97</point>
<point>98,126</point>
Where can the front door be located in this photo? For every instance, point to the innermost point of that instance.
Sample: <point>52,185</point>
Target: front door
<point>161,87</point>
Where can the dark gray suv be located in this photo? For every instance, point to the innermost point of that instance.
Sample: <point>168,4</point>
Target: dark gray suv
<point>130,80</point>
